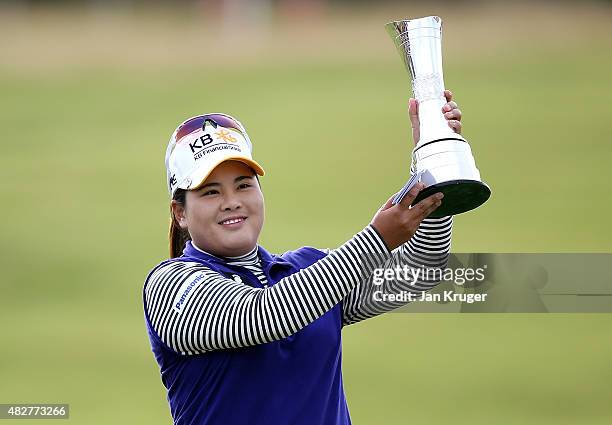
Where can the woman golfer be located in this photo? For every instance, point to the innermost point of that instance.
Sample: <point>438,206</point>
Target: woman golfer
<point>243,336</point>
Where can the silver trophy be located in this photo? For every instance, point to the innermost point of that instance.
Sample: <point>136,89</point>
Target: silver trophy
<point>442,158</point>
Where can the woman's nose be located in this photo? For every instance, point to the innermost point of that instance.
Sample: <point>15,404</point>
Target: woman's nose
<point>231,202</point>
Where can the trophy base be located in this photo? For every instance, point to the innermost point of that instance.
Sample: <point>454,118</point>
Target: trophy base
<point>459,196</point>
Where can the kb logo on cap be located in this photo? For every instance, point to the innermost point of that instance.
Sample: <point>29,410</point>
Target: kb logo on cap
<point>200,143</point>
<point>205,140</point>
<point>225,135</point>
<point>205,144</point>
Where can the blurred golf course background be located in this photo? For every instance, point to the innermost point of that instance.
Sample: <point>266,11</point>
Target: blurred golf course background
<point>90,93</point>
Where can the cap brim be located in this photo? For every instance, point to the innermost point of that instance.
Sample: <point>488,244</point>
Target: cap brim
<point>197,181</point>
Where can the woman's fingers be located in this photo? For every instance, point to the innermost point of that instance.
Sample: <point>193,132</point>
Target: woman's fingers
<point>453,114</point>
<point>455,125</point>
<point>413,113</point>
<point>397,224</point>
<point>411,195</point>
<point>428,205</point>
<point>449,106</point>
<point>448,95</point>
<point>424,207</point>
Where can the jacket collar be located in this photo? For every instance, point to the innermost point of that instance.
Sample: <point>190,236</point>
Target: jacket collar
<point>267,260</point>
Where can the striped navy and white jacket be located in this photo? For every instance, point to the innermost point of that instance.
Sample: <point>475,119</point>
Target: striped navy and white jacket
<point>256,339</point>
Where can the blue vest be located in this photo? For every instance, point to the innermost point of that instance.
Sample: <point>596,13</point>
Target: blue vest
<point>296,380</point>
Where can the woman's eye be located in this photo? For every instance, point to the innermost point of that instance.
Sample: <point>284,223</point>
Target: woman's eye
<point>210,192</point>
<point>244,186</point>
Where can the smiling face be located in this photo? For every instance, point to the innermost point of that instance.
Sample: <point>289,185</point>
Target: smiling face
<point>224,216</point>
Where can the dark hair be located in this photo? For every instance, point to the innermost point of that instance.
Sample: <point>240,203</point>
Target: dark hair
<point>177,235</point>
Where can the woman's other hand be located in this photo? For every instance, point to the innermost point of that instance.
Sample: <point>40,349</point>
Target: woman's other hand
<point>451,112</point>
<point>396,224</point>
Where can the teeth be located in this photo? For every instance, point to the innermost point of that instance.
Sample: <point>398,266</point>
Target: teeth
<point>232,221</point>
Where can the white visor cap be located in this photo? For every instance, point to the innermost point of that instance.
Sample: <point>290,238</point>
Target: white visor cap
<point>200,144</point>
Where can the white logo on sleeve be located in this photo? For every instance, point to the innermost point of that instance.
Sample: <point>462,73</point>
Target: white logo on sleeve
<point>186,291</point>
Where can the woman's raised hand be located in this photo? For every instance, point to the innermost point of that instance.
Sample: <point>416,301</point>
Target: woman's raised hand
<point>450,110</point>
<point>396,224</point>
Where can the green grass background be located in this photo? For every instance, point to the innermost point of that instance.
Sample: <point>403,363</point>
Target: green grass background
<point>85,216</point>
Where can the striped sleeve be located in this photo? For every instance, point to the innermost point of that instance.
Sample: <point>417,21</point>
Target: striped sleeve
<point>194,309</point>
<point>429,248</point>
